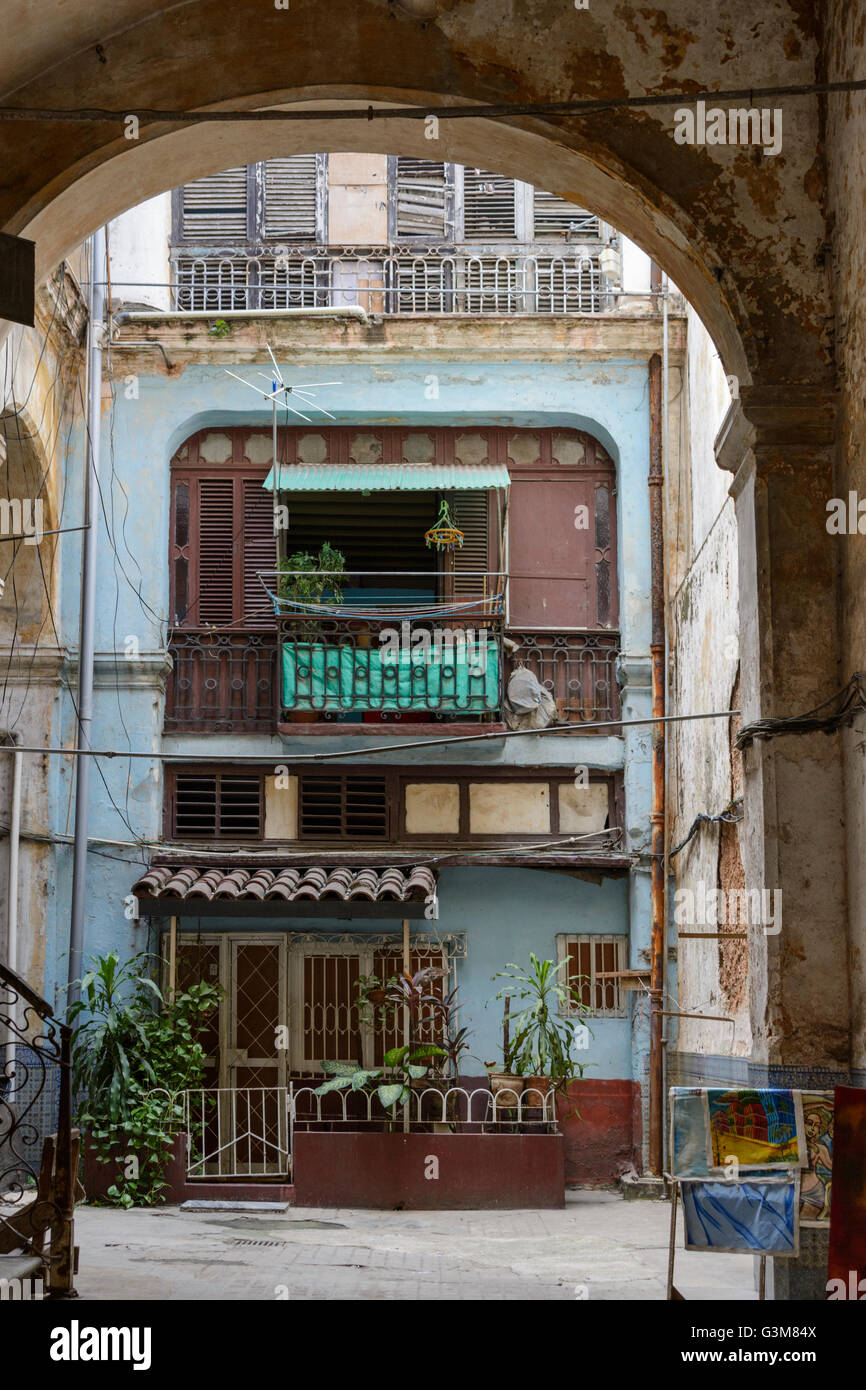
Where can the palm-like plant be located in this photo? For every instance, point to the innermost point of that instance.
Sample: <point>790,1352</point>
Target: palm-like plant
<point>543,1035</point>
<point>112,1043</point>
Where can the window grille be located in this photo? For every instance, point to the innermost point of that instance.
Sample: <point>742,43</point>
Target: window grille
<point>588,957</point>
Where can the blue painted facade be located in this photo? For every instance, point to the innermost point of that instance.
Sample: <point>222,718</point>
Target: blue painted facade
<point>505,912</point>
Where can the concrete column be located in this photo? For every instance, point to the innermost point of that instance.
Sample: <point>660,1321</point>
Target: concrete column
<point>780,451</point>
<point>792,838</point>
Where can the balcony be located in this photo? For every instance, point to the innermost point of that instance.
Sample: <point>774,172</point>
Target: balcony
<point>222,682</point>
<point>578,668</point>
<point>473,280</point>
<point>388,646</point>
<point>367,661</point>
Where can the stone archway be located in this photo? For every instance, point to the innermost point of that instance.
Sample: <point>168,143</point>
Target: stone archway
<point>744,236</point>
<point>739,234</point>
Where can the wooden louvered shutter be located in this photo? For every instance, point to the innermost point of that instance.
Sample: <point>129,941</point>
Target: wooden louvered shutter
<point>215,606</point>
<point>471,513</point>
<point>290,197</point>
<point>215,208</point>
<point>554,216</point>
<point>259,552</point>
<point>423,190</point>
<point>489,206</point>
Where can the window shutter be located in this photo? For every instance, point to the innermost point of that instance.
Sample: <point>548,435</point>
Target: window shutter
<point>343,808</point>
<point>554,216</point>
<point>290,197</point>
<point>470,511</point>
<point>259,552</point>
<point>215,606</point>
<point>218,806</point>
<point>489,206</point>
<point>422,192</point>
<point>215,208</point>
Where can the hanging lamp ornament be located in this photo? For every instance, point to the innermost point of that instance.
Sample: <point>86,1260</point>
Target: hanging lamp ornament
<point>445,535</point>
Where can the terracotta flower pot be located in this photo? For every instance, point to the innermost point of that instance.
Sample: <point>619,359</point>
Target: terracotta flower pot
<point>535,1092</point>
<point>506,1088</point>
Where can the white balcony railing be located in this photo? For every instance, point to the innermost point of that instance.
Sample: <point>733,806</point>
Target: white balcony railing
<point>394,280</point>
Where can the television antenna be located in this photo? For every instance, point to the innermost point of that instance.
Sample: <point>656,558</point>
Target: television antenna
<point>279,395</point>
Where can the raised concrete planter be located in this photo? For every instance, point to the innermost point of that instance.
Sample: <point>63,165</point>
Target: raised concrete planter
<point>429,1171</point>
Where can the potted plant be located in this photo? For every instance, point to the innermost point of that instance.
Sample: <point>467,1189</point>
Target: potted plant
<point>306,580</point>
<point>543,1026</point>
<point>507,1084</point>
<point>403,1069</point>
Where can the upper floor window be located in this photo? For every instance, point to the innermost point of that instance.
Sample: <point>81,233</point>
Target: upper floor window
<point>428,201</point>
<point>435,201</point>
<point>274,200</point>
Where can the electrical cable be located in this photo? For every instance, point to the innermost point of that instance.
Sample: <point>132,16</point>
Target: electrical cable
<point>849,701</point>
<point>586,106</point>
<point>732,814</point>
<point>282,755</point>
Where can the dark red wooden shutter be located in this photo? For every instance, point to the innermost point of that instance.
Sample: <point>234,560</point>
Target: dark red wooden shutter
<point>258,552</point>
<point>215,607</point>
<point>561,549</point>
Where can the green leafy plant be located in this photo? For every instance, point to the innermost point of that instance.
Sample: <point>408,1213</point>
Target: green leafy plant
<point>404,999</point>
<point>307,578</point>
<point>220,329</point>
<point>404,1065</point>
<point>543,1026</point>
<point>133,1054</point>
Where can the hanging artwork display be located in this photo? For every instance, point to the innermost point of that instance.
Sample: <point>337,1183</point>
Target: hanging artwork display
<point>817,1178</point>
<point>756,1215</point>
<point>689,1133</point>
<point>760,1129</point>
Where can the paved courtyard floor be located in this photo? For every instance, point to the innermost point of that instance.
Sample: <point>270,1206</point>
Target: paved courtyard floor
<point>598,1247</point>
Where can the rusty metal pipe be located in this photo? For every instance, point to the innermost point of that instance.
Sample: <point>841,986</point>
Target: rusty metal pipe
<point>657,819</point>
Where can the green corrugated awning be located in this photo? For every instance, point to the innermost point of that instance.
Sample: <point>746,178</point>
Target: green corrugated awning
<point>386,477</point>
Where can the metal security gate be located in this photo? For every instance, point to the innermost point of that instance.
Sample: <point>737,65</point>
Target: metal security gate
<point>288,1004</point>
<point>238,1132</point>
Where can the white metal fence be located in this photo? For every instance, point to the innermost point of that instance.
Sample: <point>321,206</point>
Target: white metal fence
<point>393,280</point>
<point>248,1131</point>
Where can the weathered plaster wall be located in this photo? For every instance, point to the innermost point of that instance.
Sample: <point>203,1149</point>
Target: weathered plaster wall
<point>846,159</point>
<point>38,372</point>
<point>740,233</point>
<point>702,540</point>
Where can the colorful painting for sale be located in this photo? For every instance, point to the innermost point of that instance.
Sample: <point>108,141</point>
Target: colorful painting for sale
<point>760,1129</point>
<point>756,1216</point>
<point>817,1179</point>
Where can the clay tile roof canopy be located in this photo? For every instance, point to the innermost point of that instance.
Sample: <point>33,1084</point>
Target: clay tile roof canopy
<point>310,891</point>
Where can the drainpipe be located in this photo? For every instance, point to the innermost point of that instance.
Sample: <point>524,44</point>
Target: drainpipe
<point>96,314</point>
<point>657,651</point>
<point>14,845</point>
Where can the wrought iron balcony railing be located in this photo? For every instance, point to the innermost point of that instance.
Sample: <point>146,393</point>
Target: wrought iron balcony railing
<point>222,682</point>
<point>504,279</point>
<point>578,668</point>
<point>389,645</point>
<point>383,653</point>
<point>39,1149</point>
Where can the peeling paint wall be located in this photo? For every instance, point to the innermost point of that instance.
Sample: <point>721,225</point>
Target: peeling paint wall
<point>38,369</point>
<point>846,160</point>
<point>702,541</point>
